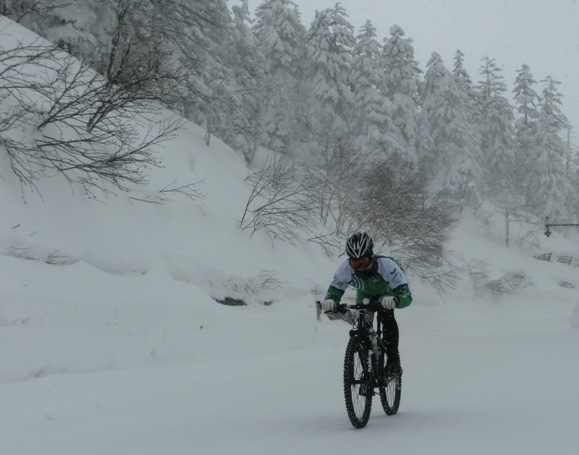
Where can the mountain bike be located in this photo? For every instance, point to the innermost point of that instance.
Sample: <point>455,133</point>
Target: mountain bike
<point>364,368</point>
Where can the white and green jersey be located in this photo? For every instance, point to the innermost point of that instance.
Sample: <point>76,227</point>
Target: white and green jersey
<point>385,278</point>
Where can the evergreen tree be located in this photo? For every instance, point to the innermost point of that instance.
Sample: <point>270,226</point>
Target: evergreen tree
<point>425,146</point>
<point>330,45</point>
<point>281,36</point>
<point>464,83</point>
<point>246,62</point>
<point>371,123</point>
<point>70,25</point>
<point>455,162</point>
<point>402,87</point>
<point>549,190</point>
<point>574,177</point>
<point>502,184</point>
<point>527,101</point>
<point>460,74</point>
<point>495,120</point>
<point>180,42</point>
<point>195,37</point>
<point>282,42</point>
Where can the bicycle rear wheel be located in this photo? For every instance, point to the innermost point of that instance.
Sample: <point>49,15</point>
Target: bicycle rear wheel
<point>390,389</point>
<point>358,388</point>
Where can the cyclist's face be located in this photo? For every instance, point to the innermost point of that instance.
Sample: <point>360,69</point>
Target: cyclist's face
<point>361,264</point>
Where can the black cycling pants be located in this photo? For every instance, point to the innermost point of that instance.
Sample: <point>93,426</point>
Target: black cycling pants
<point>390,331</point>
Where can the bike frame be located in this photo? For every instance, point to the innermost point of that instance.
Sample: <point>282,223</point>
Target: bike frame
<point>361,328</point>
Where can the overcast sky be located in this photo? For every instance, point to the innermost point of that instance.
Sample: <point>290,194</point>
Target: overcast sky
<point>543,34</point>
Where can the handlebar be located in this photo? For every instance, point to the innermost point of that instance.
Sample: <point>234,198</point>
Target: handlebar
<point>373,306</point>
<point>345,308</point>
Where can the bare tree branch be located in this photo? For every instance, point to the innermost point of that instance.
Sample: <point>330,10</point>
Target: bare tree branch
<point>278,202</point>
<point>62,117</point>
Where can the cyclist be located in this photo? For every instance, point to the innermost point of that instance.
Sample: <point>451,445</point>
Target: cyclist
<point>378,278</point>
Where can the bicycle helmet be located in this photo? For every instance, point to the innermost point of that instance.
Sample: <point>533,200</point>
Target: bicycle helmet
<point>359,245</point>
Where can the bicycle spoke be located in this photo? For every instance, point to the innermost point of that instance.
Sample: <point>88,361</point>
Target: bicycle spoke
<point>390,389</point>
<point>357,392</point>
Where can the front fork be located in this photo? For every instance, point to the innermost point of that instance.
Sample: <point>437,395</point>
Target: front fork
<point>372,360</point>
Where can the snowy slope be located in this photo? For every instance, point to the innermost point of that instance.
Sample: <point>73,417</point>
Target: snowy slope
<point>112,343</point>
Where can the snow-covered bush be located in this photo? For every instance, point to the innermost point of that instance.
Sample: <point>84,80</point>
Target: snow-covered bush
<point>509,283</point>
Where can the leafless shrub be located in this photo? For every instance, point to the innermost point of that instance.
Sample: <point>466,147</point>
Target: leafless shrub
<point>477,271</point>
<point>41,254</point>
<point>278,202</point>
<point>397,209</point>
<point>504,212</point>
<point>62,117</point>
<point>190,191</point>
<point>331,244</point>
<point>255,289</point>
<point>443,277</point>
<point>509,283</point>
<point>266,280</point>
<point>336,181</point>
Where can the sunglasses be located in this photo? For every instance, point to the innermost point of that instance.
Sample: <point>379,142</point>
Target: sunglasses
<point>360,263</point>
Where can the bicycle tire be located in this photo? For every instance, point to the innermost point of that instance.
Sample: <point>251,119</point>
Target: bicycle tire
<point>358,386</point>
<point>390,389</point>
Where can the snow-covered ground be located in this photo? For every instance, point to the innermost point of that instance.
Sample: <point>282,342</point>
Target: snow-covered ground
<point>111,341</point>
<point>121,349</point>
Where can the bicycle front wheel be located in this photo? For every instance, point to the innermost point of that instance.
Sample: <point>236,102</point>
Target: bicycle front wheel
<point>390,389</point>
<point>358,388</point>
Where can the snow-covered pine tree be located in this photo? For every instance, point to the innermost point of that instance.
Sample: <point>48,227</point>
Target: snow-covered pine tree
<point>282,42</point>
<point>329,55</point>
<point>402,87</point>
<point>178,44</point>
<point>370,124</point>
<point>455,163</point>
<point>527,102</point>
<point>241,128</point>
<point>195,34</point>
<point>550,192</point>
<point>460,74</point>
<point>574,176</point>
<point>281,35</point>
<point>425,146</point>
<point>464,82</point>
<point>496,120</point>
<point>71,25</point>
<point>501,184</point>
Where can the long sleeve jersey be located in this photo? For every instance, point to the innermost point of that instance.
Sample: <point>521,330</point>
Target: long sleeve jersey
<point>385,278</point>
